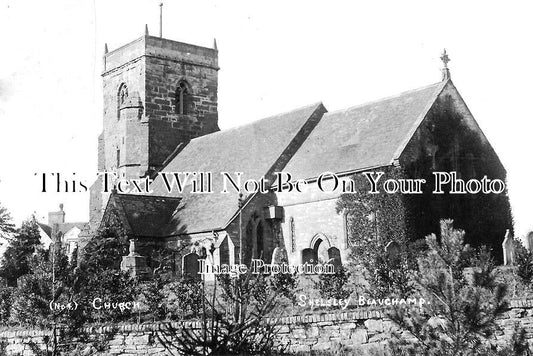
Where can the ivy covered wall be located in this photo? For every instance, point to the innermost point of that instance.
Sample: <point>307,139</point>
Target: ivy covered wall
<point>450,140</point>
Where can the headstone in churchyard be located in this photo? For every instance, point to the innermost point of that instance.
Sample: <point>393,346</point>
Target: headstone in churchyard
<point>279,256</point>
<point>309,256</point>
<point>508,249</point>
<point>335,258</point>
<point>189,265</point>
<point>134,263</point>
<point>529,240</point>
<point>392,251</point>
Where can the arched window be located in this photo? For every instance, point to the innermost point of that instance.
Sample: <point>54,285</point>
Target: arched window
<point>320,244</point>
<point>183,98</point>
<point>122,96</point>
<point>335,257</point>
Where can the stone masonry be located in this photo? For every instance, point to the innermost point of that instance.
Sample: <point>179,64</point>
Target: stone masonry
<point>142,123</point>
<point>363,330</point>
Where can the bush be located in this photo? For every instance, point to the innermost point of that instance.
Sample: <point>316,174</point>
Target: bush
<point>6,300</point>
<point>524,264</point>
<point>183,298</point>
<point>174,300</point>
<point>334,286</point>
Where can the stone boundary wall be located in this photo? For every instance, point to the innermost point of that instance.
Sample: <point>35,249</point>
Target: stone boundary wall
<point>364,330</point>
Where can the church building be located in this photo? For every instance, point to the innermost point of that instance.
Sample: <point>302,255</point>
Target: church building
<point>160,116</point>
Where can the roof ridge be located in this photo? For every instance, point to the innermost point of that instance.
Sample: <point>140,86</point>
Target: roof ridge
<point>385,98</point>
<point>315,104</point>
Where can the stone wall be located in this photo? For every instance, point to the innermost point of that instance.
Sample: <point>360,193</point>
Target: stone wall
<point>363,330</point>
<point>314,215</point>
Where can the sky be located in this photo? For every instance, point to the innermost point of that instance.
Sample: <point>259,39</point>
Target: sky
<point>274,56</point>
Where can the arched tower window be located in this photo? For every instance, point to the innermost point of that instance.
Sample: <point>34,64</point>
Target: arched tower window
<point>122,96</point>
<point>183,98</point>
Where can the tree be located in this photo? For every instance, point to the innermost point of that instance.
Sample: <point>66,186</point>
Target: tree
<point>15,262</point>
<point>524,264</point>
<point>6,226</point>
<point>459,316</point>
<point>99,275</point>
<point>243,323</point>
<point>48,280</point>
<point>105,250</point>
<point>373,221</point>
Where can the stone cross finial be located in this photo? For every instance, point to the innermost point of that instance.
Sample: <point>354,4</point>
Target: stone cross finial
<point>445,59</point>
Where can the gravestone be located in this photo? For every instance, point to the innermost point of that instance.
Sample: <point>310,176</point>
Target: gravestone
<point>279,256</point>
<point>309,256</point>
<point>189,265</point>
<point>134,263</point>
<point>508,249</point>
<point>335,258</point>
<point>529,240</point>
<point>392,251</point>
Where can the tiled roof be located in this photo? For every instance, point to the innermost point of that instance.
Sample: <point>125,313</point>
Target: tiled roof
<point>46,228</point>
<point>144,215</point>
<point>364,136</point>
<point>254,149</point>
<point>63,228</point>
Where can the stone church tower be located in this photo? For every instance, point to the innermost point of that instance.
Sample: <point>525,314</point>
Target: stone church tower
<point>158,95</point>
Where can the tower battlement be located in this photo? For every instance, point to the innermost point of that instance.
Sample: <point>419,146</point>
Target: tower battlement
<point>162,48</point>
